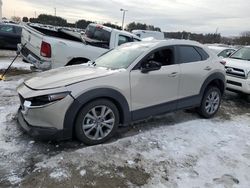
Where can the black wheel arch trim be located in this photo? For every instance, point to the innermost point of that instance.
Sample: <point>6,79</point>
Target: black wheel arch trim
<point>215,76</point>
<point>114,95</point>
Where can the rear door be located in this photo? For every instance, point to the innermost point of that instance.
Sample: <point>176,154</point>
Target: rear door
<point>195,67</point>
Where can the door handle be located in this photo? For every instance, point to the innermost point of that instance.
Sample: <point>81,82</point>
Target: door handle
<point>173,74</point>
<point>208,68</point>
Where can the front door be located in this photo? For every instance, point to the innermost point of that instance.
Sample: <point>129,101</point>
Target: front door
<point>156,91</point>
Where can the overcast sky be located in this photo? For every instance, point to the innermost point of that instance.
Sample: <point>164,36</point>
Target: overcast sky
<point>231,17</point>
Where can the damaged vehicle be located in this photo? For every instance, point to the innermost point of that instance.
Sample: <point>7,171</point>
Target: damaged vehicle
<point>46,48</point>
<point>129,83</point>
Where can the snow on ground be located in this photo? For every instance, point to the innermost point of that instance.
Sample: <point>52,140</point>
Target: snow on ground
<point>174,150</point>
<point>7,53</point>
<point>18,64</point>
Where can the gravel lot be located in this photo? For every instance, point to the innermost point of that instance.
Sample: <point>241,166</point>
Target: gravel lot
<point>174,150</point>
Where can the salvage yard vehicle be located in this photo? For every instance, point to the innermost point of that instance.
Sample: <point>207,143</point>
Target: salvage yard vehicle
<point>57,47</point>
<point>129,83</point>
<point>222,51</point>
<point>10,36</point>
<point>146,34</point>
<point>238,71</point>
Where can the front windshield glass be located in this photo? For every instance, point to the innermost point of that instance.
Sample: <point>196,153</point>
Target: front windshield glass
<point>122,57</point>
<point>243,53</point>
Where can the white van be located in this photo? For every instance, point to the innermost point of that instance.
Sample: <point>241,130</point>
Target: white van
<point>146,34</point>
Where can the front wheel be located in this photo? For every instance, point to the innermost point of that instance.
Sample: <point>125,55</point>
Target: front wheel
<point>210,103</point>
<point>97,122</point>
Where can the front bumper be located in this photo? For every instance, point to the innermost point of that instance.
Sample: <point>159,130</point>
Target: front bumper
<point>40,133</point>
<point>238,84</point>
<point>31,58</point>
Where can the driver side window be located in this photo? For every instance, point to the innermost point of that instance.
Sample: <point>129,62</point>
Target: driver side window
<point>164,57</point>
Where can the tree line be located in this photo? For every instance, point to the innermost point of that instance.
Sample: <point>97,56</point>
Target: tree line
<point>243,39</point>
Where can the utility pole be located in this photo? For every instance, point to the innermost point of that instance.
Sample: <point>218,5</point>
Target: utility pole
<point>55,11</point>
<point>123,17</point>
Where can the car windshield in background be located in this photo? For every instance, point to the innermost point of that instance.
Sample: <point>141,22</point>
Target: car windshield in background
<point>121,58</point>
<point>243,53</point>
<point>98,33</point>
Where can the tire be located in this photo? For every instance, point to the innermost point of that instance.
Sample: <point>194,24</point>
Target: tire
<point>209,109</point>
<point>90,121</point>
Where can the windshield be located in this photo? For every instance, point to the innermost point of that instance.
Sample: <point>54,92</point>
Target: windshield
<point>243,53</point>
<point>121,58</point>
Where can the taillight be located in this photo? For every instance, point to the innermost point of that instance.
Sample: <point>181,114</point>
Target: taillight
<point>223,62</point>
<point>45,49</point>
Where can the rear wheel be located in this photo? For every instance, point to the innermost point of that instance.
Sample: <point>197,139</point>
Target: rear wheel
<point>210,103</point>
<point>97,122</point>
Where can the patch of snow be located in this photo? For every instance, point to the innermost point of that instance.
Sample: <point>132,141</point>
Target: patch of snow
<point>83,172</point>
<point>59,174</point>
<point>14,179</point>
<point>19,64</point>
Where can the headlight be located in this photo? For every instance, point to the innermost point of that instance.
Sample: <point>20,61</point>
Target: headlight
<point>46,99</point>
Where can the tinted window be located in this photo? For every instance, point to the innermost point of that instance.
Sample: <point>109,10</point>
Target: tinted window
<point>203,54</point>
<point>164,56</point>
<point>98,33</point>
<point>123,39</point>
<point>6,29</point>
<point>188,54</point>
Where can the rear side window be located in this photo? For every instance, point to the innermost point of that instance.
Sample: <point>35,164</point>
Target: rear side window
<point>98,33</point>
<point>123,39</point>
<point>6,29</point>
<point>202,52</point>
<point>188,54</point>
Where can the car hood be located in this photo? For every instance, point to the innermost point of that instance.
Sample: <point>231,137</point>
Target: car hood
<point>237,63</point>
<point>66,76</point>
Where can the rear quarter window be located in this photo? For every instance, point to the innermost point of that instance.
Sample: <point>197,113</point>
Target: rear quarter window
<point>203,53</point>
<point>188,54</point>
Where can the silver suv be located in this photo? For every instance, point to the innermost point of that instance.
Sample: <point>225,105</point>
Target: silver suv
<point>129,83</point>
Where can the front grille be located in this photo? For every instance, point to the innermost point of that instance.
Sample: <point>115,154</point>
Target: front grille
<point>239,73</point>
<point>234,83</point>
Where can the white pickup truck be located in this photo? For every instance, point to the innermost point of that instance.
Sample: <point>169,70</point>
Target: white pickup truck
<point>238,71</point>
<point>52,48</point>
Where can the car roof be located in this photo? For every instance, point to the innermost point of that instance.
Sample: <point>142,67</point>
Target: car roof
<point>169,42</point>
<point>219,47</point>
<point>11,24</point>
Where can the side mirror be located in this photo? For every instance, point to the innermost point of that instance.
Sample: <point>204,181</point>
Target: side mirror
<point>150,66</point>
<point>229,54</point>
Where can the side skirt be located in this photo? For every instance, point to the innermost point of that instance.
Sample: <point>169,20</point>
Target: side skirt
<point>185,103</point>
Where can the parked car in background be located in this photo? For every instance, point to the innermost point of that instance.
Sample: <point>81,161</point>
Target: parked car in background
<point>129,83</point>
<point>222,51</point>
<point>148,34</point>
<point>238,71</point>
<point>57,47</point>
<point>10,36</point>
